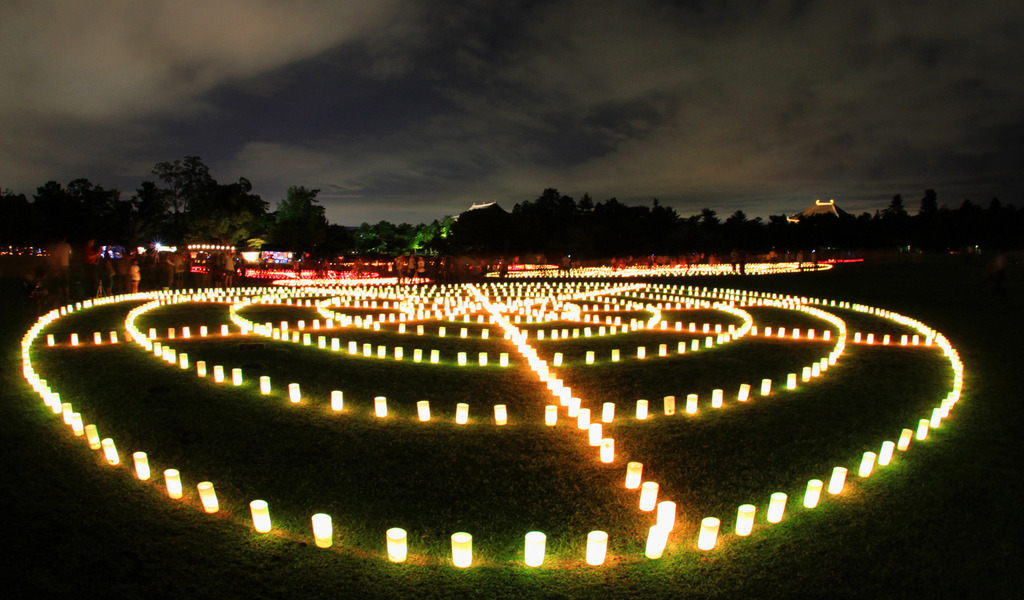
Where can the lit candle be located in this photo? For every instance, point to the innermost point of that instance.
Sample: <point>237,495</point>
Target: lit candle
<point>141,462</point>
<point>766,387</point>
<point>657,539</point>
<point>337,400</point>
<point>236,376</point>
<point>838,480</point>
<point>708,536</point>
<point>423,410</point>
<point>922,429</point>
<point>260,515</point>
<point>201,368</point>
<point>461,413</point>
<point>607,450</point>
<point>777,507</point>
<point>533,552</point>
<point>691,404</point>
<point>634,472</point>
<point>595,434</point>
<point>867,464</point>
<point>396,544</point>
<point>172,481</point>
<point>885,454</point>
<point>744,393</point>
<point>791,381</point>
<point>607,412</point>
<point>904,441</point>
<point>666,515</point>
<point>670,405</point>
<point>500,414</point>
<point>294,394</point>
<point>550,414</point>
<point>323,530</point>
<point>641,409</point>
<point>208,496</point>
<point>264,384</point>
<point>813,493</point>
<point>597,547</point>
<point>648,495</point>
<point>583,419</point>
<point>745,519</point>
<point>462,549</point>
<point>380,406</point>
<point>92,436</point>
<point>110,451</point>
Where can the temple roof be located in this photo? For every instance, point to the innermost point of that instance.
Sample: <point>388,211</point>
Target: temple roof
<point>819,208</point>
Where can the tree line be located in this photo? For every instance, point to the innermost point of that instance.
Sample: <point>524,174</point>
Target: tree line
<point>185,204</point>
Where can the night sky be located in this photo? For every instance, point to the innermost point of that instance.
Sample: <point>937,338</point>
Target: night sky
<point>407,110</point>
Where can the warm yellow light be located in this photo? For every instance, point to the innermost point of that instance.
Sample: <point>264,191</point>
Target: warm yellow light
<point>641,352</point>
<point>92,436</point>
<point>691,404</point>
<point>294,394</point>
<point>557,360</point>
<point>597,547</point>
<point>435,357</point>
<point>236,376</point>
<point>641,409</point>
<point>482,359</point>
<point>708,536</point>
<point>461,413</point>
<point>323,530</point>
<point>666,515</point>
<point>670,405</point>
<point>657,539</point>
<point>745,519</point>
<point>867,464</point>
<point>183,360</point>
<point>533,552</point>
<point>462,359</point>
<point>380,406</point>
<point>77,427</point>
<point>337,400</point>
<point>110,451</point>
<point>201,368</point>
<point>97,338</point>
<point>503,359</point>
<point>791,381</point>
<point>648,496</point>
<point>590,357</point>
<point>500,414</point>
<point>766,387</point>
<point>885,454</point>
<point>208,496</point>
<point>744,392</point>
<point>141,462</point>
<point>717,397</point>
<point>838,480</point>
<point>594,434</point>
<point>904,441</point>
<point>264,384</point>
<point>462,549</point>
<point>396,544</point>
<point>615,355</point>
<point>607,412</point>
<point>260,515</point>
<point>777,507</point>
<point>607,450</point>
<point>634,472</point>
<point>922,429</point>
<point>172,481</point>
<point>550,414</point>
<point>49,339</point>
<point>423,410</point>
<point>813,493</point>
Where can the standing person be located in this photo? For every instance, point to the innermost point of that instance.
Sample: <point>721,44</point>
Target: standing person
<point>92,275</point>
<point>62,266</point>
<point>400,266</point>
<point>108,271</point>
<point>134,276</point>
<point>421,267</point>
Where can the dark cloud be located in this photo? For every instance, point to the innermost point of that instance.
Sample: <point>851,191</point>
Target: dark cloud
<point>412,110</point>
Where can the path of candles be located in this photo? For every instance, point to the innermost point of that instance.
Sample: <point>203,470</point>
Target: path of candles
<point>574,310</point>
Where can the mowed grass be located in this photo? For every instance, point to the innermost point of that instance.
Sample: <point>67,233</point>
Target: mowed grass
<point>876,540</point>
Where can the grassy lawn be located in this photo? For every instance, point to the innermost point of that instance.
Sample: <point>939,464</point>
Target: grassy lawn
<point>940,521</point>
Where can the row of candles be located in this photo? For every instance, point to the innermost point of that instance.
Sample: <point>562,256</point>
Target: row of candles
<point>774,511</point>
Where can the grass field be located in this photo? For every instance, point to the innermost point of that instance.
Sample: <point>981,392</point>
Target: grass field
<point>942,521</point>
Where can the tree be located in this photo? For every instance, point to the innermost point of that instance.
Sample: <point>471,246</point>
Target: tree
<point>300,223</point>
<point>929,204</point>
<point>895,208</point>
<point>228,214</point>
<point>187,180</point>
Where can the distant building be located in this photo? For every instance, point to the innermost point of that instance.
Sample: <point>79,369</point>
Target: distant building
<point>488,207</point>
<point>820,208</point>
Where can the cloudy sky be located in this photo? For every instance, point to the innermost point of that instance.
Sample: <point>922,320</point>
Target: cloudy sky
<point>410,110</point>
